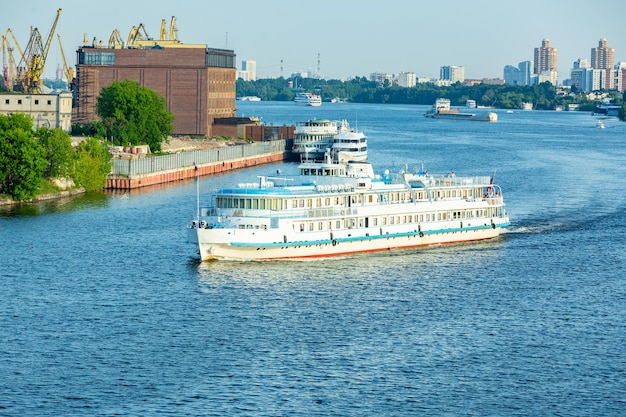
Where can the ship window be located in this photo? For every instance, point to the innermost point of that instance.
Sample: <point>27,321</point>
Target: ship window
<point>320,226</point>
<point>428,217</point>
<point>338,224</point>
<point>295,203</point>
<point>262,204</point>
<point>309,202</point>
<point>255,204</point>
<point>311,226</point>
<point>319,202</point>
<point>370,198</point>
<point>248,203</point>
<point>327,201</point>
<point>392,220</point>
<point>301,203</point>
<point>375,221</point>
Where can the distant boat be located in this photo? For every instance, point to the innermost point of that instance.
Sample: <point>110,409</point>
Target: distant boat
<point>442,110</point>
<point>599,124</point>
<point>606,109</point>
<point>308,99</point>
<point>250,98</point>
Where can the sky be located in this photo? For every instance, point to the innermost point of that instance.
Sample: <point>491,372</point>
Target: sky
<point>350,38</point>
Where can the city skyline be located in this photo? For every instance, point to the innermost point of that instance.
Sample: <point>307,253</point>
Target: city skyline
<point>349,38</point>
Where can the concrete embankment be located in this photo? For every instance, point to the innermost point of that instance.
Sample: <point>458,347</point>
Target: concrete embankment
<point>153,170</point>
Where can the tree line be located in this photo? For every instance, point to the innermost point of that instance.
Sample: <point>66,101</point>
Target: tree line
<point>29,159</point>
<point>543,96</point>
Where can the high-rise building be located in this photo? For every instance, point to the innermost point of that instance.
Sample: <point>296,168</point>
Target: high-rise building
<point>602,56</point>
<point>407,79</point>
<point>545,57</point>
<point>452,73</point>
<point>248,70</point>
<point>519,75</point>
<point>380,78</point>
<point>545,62</point>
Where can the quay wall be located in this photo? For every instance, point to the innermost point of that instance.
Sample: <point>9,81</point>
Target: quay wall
<point>128,174</point>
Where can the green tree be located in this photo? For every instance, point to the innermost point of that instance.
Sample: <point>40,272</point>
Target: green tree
<point>22,158</point>
<point>59,152</point>
<point>93,164</point>
<point>134,115</point>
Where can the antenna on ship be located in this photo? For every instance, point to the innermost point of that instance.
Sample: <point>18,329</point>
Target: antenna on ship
<point>197,193</point>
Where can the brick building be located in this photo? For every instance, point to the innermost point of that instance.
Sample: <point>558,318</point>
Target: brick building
<point>198,83</point>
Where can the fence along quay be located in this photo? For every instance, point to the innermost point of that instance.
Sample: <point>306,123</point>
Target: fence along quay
<point>127,174</point>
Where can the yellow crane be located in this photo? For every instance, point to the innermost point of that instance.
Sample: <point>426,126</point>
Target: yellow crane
<point>69,71</point>
<point>34,59</point>
<point>173,36</point>
<point>115,41</point>
<point>135,36</point>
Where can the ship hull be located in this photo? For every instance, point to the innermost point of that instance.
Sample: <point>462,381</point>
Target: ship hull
<point>270,245</point>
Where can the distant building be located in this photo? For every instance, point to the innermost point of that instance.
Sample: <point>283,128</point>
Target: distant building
<point>380,78</point>
<point>620,76</point>
<point>519,75</point>
<point>248,70</point>
<point>452,73</point>
<point>545,63</point>
<point>602,56</point>
<point>198,82</point>
<point>588,79</point>
<point>407,79</point>
<point>53,111</point>
<point>545,58</point>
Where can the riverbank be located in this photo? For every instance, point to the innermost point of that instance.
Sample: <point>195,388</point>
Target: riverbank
<point>184,158</point>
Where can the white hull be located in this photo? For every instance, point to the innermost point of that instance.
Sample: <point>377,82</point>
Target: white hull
<point>321,245</point>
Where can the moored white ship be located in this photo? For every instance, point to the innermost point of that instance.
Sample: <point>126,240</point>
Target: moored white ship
<point>334,209</point>
<point>313,137</point>
<point>349,144</point>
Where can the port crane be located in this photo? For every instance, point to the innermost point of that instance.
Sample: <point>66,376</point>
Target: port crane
<point>69,71</point>
<point>33,60</point>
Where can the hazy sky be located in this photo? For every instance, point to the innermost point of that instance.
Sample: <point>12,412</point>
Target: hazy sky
<point>352,38</point>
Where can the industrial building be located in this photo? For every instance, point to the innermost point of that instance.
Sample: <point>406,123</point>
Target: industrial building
<point>53,111</point>
<point>198,82</point>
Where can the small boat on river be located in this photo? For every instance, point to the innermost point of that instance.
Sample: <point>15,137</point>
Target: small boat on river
<point>442,110</point>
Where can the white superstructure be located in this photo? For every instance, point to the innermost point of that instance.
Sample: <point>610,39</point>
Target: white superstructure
<point>336,209</point>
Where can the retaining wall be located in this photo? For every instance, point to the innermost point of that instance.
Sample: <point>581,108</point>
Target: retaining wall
<point>129,174</point>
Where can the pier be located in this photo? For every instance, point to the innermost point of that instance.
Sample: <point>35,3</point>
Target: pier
<point>127,174</point>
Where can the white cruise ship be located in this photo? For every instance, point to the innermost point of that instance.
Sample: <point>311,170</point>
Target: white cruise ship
<point>312,138</point>
<point>335,209</point>
<point>308,99</point>
<point>349,145</point>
